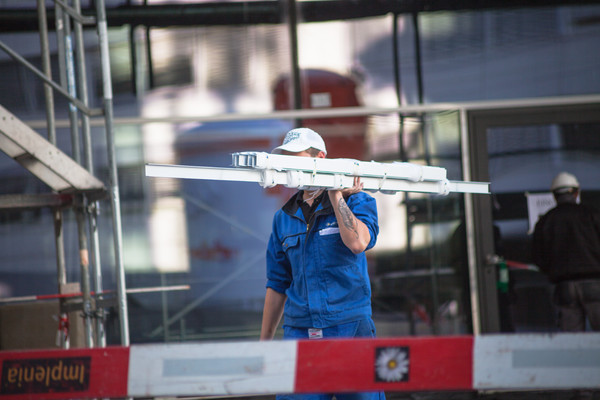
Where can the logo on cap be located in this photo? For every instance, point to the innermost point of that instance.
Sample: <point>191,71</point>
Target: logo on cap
<point>291,136</point>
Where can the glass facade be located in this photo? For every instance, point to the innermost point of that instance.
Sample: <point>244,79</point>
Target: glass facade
<point>421,279</point>
<point>212,235</point>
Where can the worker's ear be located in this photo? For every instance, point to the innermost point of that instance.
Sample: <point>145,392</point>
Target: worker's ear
<point>321,154</point>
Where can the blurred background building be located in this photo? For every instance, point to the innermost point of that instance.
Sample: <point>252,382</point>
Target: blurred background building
<point>507,93</point>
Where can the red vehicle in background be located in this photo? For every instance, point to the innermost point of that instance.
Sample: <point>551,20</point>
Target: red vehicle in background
<point>344,136</point>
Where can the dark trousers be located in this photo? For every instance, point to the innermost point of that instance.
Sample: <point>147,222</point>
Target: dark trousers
<point>576,301</point>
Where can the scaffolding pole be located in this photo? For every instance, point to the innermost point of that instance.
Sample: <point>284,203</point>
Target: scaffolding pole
<point>72,81</point>
<point>61,269</point>
<point>114,181</point>
<point>91,210</point>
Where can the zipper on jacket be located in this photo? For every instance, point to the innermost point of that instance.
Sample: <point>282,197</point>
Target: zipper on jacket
<point>313,218</point>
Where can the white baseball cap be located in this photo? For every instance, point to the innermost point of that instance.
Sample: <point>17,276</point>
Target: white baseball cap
<point>563,182</point>
<point>301,139</point>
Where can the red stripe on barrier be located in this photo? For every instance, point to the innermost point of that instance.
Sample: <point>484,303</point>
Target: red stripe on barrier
<point>64,374</point>
<point>402,364</point>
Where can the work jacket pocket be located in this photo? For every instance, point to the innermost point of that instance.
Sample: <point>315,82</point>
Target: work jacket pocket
<point>291,246</point>
<point>346,288</point>
<point>290,242</point>
<point>334,252</point>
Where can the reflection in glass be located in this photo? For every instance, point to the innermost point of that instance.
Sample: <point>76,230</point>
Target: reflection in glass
<point>523,160</point>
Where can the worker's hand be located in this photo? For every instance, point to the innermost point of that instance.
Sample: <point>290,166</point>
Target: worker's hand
<point>335,195</point>
<point>353,231</point>
<point>357,187</point>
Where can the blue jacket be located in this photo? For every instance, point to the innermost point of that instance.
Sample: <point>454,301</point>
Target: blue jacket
<point>325,283</point>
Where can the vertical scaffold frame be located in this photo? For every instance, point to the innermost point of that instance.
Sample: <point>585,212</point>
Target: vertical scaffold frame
<point>73,86</point>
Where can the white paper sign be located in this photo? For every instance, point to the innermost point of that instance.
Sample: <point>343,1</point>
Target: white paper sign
<point>537,205</point>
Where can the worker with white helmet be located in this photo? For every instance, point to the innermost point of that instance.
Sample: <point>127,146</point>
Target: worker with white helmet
<point>566,247</point>
<point>317,274</point>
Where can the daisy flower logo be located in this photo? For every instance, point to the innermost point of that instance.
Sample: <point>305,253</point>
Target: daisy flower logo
<point>391,364</point>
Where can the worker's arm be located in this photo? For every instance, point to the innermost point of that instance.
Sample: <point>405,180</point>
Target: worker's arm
<point>353,231</point>
<point>272,313</point>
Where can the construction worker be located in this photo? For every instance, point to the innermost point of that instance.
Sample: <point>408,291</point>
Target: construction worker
<point>566,247</point>
<point>317,277</point>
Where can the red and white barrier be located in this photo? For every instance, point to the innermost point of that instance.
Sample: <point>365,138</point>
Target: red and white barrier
<point>494,362</point>
<point>561,361</point>
<point>64,374</point>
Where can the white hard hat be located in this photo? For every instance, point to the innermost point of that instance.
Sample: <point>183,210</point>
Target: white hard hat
<point>301,139</point>
<point>563,182</point>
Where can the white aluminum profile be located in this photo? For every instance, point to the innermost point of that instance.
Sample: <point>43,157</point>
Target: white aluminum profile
<point>302,179</point>
<point>205,173</point>
<point>343,166</point>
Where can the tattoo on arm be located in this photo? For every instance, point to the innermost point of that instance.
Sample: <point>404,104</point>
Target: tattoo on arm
<point>347,217</point>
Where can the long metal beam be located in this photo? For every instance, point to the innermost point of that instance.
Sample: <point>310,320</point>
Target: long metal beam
<point>406,110</point>
<point>297,178</point>
<point>344,166</point>
<point>267,12</point>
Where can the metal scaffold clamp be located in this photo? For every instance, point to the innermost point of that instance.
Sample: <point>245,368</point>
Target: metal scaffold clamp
<point>269,170</point>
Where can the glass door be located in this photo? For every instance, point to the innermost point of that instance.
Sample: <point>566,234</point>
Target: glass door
<point>519,151</point>
<point>419,269</point>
